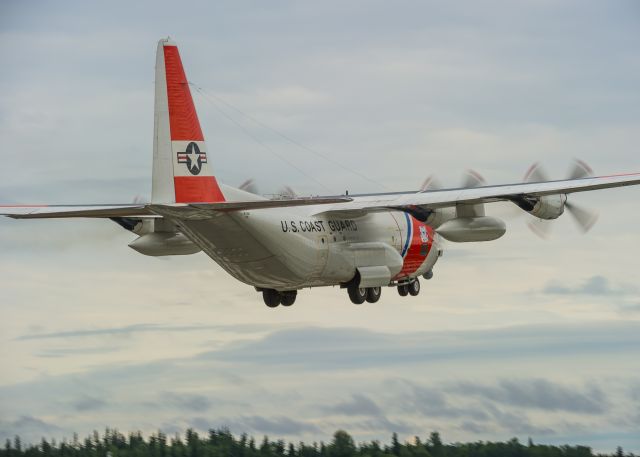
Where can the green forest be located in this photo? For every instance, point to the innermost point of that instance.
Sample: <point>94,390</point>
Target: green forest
<point>222,443</point>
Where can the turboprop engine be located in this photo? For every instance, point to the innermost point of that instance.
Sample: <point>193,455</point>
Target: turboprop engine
<point>547,207</point>
<point>466,223</point>
<point>156,237</point>
<point>471,229</point>
<point>164,243</point>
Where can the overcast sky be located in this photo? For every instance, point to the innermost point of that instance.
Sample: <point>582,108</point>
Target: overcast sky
<point>519,337</point>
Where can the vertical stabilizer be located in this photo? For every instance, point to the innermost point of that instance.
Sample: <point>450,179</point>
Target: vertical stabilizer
<point>182,171</point>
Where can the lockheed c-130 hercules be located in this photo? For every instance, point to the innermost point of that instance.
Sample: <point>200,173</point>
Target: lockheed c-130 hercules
<point>279,246</point>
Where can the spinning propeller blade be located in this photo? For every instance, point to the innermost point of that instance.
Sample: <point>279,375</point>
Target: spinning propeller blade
<point>472,178</point>
<point>431,183</point>
<point>579,170</point>
<point>584,218</point>
<point>249,186</point>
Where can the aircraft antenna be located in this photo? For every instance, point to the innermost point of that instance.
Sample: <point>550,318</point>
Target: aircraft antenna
<point>260,142</point>
<point>215,98</point>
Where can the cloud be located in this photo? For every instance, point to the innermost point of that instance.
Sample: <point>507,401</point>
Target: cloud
<point>517,422</point>
<point>278,425</point>
<point>88,403</point>
<point>595,285</point>
<point>272,400</point>
<point>187,402</point>
<point>358,405</point>
<point>315,348</point>
<point>52,353</point>
<point>139,328</point>
<point>384,426</point>
<point>474,427</point>
<point>30,429</point>
<point>540,394</point>
<point>629,309</point>
<point>431,401</point>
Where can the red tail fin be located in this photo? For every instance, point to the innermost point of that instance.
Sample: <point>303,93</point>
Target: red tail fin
<point>193,178</point>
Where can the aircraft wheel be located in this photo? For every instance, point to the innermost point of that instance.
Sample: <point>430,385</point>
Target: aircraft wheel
<point>288,298</point>
<point>403,290</point>
<point>428,274</point>
<point>414,287</point>
<point>271,297</point>
<point>373,294</point>
<point>357,294</point>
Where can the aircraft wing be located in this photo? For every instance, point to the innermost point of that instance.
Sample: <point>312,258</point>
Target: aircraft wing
<point>180,210</point>
<point>434,199</point>
<point>427,200</point>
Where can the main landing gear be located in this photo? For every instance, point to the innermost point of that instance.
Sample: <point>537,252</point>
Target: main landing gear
<point>273,298</point>
<point>359,295</point>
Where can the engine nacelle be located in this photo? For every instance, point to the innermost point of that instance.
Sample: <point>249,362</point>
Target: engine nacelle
<point>439,216</point>
<point>472,229</point>
<point>164,243</point>
<point>547,207</point>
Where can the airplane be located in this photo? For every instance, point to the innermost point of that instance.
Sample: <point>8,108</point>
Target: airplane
<point>361,243</point>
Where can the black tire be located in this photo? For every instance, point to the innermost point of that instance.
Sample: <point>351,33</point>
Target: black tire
<point>403,290</point>
<point>357,294</point>
<point>288,298</point>
<point>414,287</point>
<point>373,294</point>
<point>428,275</point>
<point>271,297</point>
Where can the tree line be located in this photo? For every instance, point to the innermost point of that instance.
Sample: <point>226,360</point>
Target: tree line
<point>222,443</point>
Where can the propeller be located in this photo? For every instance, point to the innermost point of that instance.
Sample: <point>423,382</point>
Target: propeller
<point>583,217</point>
<point>284,192</point>
<point>470,178</point>
<point>431,183</point>
<point>287,192</point>
<point>249,186</point>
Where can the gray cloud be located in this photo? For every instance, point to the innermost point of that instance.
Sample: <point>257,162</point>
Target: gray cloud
<point>30,429</point>
<point>88,403</point>
<point>133,329</point>
<point>341,348</point>
<point>278,425</point>
<point>629,309</point>
<point>64,352</point>
<point>433,402</point>
<point>540,394</point>
<point>517,422</point>
<point>187,402</point>
<point>376,420</point>
<point>375,409</point>
<point>473,427</point>
<point>117,331</point>
<point>358,405</point>
<point>595,285</point>
<point>384,426</point>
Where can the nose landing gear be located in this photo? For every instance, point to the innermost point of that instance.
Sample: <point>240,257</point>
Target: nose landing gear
<point>411,288</point>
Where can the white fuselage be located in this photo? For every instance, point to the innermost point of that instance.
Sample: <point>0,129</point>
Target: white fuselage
<point>290,248</point>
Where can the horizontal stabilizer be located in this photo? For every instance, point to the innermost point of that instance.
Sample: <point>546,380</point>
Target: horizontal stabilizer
<point>64,211</point>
